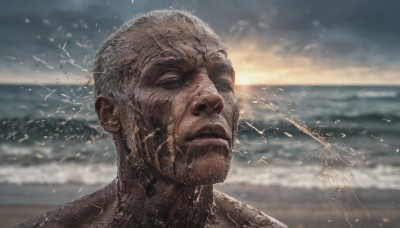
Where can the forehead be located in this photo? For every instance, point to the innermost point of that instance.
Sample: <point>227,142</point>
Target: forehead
<point>174,39</point>
<point>164,33</point>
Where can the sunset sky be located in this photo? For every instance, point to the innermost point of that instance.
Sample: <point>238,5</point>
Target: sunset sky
<point>270,42</point>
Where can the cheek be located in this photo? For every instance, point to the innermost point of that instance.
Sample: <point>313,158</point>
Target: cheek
<point>231,114</point>
<point>159,131</point>
<point>156,112</point>
<point>231,109</point>
<point>160,107</point>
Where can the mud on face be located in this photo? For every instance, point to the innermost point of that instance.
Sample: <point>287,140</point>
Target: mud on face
<point>182,112</point>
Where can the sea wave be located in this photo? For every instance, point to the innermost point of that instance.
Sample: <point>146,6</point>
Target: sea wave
<point>377,94</point>
<point>55,173</point>
<point>381,177</point>
<point>314,176</point>
<point>26,129</point>
<point>379,117</point>
<point>347,124</point>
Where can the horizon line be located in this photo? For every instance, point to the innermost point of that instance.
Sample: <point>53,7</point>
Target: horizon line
<point>239,85</point>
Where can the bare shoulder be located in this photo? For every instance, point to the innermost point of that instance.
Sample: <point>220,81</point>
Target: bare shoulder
<point>231,212</point>
<point>83,212</point>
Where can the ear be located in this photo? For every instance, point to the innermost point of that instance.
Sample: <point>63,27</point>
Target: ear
<point>109,113</point>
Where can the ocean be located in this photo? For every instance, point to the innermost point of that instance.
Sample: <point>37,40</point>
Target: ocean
<point>289,136</point>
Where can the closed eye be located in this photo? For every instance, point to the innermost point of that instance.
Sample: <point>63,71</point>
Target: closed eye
<point>223,76</point>
<point>224,85</point>
<point>170,80</point>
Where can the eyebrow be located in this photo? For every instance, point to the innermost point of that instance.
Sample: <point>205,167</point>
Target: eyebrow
<point>162,63</point>
<point>220,68</point>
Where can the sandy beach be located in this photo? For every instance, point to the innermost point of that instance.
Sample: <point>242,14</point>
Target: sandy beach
<point>302,207</point>
<point>297,207</point>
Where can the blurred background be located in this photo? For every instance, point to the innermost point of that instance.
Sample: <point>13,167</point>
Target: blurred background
<point>318,83</point>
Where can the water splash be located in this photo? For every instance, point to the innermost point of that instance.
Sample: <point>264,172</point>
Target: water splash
<point>334,158</point>
<point>67,58</point>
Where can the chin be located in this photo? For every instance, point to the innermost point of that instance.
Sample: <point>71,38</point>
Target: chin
<point>208,170</point>
<point>201,165</point>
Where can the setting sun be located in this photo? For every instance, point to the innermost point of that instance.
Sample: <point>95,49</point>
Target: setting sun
<point>252,77</point>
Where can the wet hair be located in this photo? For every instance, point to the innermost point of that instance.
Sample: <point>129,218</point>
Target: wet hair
<point>111,72</point>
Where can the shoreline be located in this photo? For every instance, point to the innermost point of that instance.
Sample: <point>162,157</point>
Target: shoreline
<point>296,207</point>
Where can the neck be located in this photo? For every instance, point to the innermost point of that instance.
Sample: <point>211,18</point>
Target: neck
<point>146,198</point>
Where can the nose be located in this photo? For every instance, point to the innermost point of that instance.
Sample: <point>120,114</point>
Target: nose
<point>207,102</point>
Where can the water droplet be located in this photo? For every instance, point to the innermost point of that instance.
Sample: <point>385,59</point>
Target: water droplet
<point>377,138</point>
<point>316,23</point>
<point>24,138</point>
<point>385,220</point>
<point>40,156</point>
<point>288,134</point>
<point>27,20</point>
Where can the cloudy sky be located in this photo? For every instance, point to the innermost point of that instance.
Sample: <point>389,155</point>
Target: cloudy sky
<point>270,42</point>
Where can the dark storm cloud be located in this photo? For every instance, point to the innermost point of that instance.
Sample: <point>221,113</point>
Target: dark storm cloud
<point>358,32</point>
<point>40,28</point>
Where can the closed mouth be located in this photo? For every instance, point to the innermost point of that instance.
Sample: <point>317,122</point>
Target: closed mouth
<point>209,132</point>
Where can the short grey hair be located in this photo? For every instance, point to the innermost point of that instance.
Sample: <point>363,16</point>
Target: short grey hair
<point>111,72</point>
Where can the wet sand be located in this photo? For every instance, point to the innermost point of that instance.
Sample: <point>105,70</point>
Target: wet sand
<point>297,207</point>
<point>301,207</point>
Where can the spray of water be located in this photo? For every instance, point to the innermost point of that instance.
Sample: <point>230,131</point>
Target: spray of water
<point>334,158</point>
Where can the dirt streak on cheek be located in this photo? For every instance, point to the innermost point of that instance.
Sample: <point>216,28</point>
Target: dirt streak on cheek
<point>171,143</point>
<point>161,145</point>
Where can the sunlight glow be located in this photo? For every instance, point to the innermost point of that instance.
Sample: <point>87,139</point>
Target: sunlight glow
<point>252,77</point>
<point>266,66</point>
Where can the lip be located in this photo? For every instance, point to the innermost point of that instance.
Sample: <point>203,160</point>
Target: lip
<point>212,134</point>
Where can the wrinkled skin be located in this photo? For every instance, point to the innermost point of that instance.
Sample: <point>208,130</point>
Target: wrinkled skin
<point>190,95</point>
<point>174,135</point>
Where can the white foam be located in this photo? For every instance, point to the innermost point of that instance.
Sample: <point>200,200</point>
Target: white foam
<point>305,176</point>
<point>56,173</point>
<point>13,150</point>
<point>23,150</point>
<point>381,177</point>
<point>376,94</point>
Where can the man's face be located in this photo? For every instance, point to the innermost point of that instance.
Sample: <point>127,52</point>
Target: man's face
<point>188,108</point>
